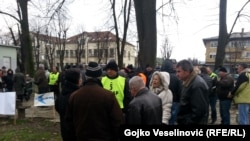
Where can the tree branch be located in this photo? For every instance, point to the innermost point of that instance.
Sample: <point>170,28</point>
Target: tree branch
<point>4,13</point>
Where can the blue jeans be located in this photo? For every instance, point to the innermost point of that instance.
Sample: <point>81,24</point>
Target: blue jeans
<point>243,110</point>
<point>212,103</point>
<point>225,106</point>
<point>174,111</point>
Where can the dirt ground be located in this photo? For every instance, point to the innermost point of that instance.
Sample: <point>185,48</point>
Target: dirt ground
<point>40,123</point>
<point>45,121</point>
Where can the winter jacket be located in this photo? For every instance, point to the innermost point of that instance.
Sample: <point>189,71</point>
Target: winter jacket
<point>145,109</point>
<point>164,93</point>
<point>241,91</point>
<point>194,103</point>
<point>224,86</point>
<point>175,83</point>
<point>61,103</point>
<point>41,81</point>
<point>94,113</point>
<point>208,80</point>
<point>19,83</point>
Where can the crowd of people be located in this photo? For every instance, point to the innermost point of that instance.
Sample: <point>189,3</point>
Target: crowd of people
<point>18,82</point>
<point>93,102</point>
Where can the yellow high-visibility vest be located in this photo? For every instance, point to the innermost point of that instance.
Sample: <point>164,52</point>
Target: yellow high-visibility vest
<point>116,86</point>
<point>53,78</point>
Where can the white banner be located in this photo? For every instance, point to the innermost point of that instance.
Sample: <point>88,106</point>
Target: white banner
<point>46,99</point>
<point>7,103</point>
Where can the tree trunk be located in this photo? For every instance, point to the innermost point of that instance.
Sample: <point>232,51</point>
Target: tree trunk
<point>26,45</point>
<point>146,27</point>
<point>222,41</point>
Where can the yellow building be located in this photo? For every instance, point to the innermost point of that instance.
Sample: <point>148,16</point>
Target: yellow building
<point>100,47</point>
<point>237,50</point>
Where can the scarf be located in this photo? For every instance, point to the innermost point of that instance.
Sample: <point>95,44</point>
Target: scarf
<point>158,90</point>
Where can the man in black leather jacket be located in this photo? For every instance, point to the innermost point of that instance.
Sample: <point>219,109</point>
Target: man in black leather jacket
<point>146,107</point>
<point>194,102</point>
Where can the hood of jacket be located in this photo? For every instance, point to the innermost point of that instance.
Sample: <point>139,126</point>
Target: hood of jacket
<point>165,79</point>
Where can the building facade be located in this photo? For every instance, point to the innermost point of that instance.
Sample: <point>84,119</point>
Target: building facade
<point>237,50</point>
<point>81,49</point>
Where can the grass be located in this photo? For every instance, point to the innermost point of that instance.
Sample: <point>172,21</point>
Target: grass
<point>36,129</point>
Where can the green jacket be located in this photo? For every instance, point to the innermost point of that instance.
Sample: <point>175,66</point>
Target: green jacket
<point>242,94</point>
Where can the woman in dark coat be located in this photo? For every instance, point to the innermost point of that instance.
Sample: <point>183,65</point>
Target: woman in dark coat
<point>9,80</point>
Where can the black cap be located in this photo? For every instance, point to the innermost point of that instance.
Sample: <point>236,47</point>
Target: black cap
<point>112,66</point>
<point>223,69</point>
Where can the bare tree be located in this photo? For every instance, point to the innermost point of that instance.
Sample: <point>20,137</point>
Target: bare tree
<point>224,36</point>
<point>166,49</point>
<point>126,8</point>
<point>81,42</point>
<point>27,62</point>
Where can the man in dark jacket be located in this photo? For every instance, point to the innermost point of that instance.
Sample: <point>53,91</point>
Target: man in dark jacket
<point>73,80</point>
<point>223,90</point>
<point>175,87</point>
<point>194,102</point>
<point>212,95</point>
<point>93,112</point>
<point>41,80</point>
<point>146,107</point>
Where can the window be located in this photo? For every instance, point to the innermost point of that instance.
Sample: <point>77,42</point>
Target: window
<point>212,55</point>
<point>96,52</point>
<point>105,52</point>
<point>90,52</point>
<point>129,55</point>
<point>58,53</point>
<point>248,54</point>
<point>213,43</point>
<point>66,53</point>
<point>112,52</point>
<point>72,53</point>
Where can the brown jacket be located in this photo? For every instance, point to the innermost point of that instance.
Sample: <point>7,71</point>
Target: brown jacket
<point>93,113</point>
<point>40,79</point>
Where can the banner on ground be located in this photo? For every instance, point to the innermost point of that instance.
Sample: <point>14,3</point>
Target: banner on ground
<point>46,99</point>
<point>7,103</point>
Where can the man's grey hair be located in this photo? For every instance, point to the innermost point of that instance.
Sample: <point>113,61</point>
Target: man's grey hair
<point>185,65</point>
<point>41,66</point>
<point>136,82</point>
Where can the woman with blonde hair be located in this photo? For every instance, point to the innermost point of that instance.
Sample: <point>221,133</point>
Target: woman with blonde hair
<point>159,85</point>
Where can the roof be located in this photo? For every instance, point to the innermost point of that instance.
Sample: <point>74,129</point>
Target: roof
<point>9,46</point>
<point>235,35</point>
<point>93,37</point>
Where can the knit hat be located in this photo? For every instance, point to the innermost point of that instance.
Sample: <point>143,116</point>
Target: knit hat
<point>112,66</point>
<point>223,69</point>
<point>72,75</point>
<point>130,67</point>
<point>93,70</point>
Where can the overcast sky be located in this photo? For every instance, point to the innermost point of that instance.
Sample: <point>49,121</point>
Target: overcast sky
<point>198,19</point>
